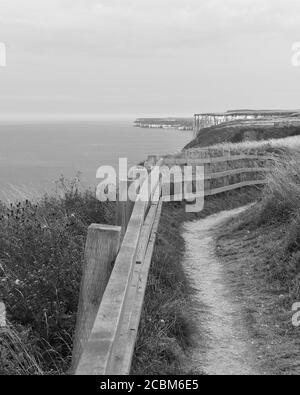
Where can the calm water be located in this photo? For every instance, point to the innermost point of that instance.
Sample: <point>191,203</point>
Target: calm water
<point>33,156</point>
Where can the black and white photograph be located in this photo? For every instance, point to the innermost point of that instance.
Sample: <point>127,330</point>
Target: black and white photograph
<point>149,191</point>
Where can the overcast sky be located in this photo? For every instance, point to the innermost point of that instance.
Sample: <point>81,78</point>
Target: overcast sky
<point>146,57</point>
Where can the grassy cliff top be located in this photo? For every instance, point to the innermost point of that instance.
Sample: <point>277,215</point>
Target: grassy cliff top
<point>238,131</point>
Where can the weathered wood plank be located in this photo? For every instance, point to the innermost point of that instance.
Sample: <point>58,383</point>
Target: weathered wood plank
<point>96,357</point>
<point>98,354</point>
<point>231,187</point>
<point>130,339</point>
<point>122,206</point>
<point>102,246</point>
<point>218,159</point>
<point>237,171</point>
<point>146,232</point>
<point>122,343</point>
<point>235,186</point>
<point>207,177</point>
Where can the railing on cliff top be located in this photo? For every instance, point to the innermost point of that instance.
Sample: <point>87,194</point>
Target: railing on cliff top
<point>116,269</point>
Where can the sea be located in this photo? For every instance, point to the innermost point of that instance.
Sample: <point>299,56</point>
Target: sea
<point>34,155</point>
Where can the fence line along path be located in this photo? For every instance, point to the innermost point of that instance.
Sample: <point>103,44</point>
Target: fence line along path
<point>118,259</point>
<point>108,348</point>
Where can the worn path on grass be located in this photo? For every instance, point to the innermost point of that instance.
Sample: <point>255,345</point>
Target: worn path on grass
<point>223,345</point>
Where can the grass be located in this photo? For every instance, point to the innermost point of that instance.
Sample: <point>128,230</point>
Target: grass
<point>240,131</point>
<point>16,355</point>
<point>263,146</point>
<point>262,251</point>
<point>41,252</point>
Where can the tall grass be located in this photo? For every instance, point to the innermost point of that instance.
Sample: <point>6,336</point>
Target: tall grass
<point>261,249</point>
<point>41,253</point>
<point>263,146</point>
<point>281,196</point>
<point>16,353</point>
<point>278,214</point>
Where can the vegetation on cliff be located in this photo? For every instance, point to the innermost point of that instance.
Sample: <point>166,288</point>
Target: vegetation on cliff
<point>41,255</point>
<point>236,132</point>
<point>262,247</point>
<point>41,251</point>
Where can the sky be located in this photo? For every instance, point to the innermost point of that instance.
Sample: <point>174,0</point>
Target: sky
<point>148,57</point>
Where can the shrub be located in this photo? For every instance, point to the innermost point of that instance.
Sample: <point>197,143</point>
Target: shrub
<point>281,197</point>
<point>276,218</point>
<point>41,251</point>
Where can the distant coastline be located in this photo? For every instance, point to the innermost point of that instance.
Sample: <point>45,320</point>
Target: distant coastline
<point>184,124</point>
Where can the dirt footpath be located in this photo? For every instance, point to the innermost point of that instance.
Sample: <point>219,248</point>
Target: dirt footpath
<point>223,346</point>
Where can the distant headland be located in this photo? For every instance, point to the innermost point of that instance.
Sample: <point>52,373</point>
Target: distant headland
<point>165,123</point>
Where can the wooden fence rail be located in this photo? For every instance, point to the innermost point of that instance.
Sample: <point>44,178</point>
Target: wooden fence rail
<point>107,346</point>
<point>231,167</point>
<point>117,262</point>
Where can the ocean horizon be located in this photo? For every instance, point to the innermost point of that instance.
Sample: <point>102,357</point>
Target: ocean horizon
<point>35,154</point>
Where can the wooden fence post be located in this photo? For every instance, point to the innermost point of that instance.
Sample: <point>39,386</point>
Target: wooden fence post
<point>226,167</point>
<point>121,217</point>
<point>208,181</point>
<point>122,209</point>
<point>102,246</point>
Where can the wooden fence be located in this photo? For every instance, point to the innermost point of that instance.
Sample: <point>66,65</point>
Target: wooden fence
<point>117,264</point>
<point>113,287</point>
<point>222,173</point>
